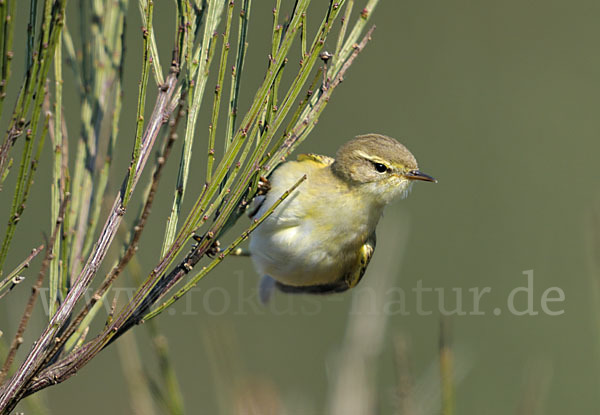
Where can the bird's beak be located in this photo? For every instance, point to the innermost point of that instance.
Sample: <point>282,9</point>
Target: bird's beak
<point>417,175</point>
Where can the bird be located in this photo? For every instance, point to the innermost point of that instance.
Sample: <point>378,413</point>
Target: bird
<point>321,238</point>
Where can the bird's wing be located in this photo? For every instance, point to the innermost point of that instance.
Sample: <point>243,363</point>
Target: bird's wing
<point>306,163</point>
<point>324,160</point>
<point>365,254</point>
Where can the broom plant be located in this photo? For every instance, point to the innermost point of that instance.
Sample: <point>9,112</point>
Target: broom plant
<point>242,145</point>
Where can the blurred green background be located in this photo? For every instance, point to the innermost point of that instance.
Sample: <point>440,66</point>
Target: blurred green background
<point>499,101</point>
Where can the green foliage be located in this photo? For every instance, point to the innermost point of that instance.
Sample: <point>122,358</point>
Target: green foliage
<point>252,144</point>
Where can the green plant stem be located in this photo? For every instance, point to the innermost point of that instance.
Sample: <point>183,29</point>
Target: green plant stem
<point>28,174</point>
<point>349,44</point>
<point>201,210</point>
<point>10,281</point>
<point>98,101</point>
<point>314,110</point>
<point>246,156</point>
<point>7,15</point>
<point>237,70</point>
<point>16,387</point>
<point>76,180</point>
<point>236,74</point>
<point>303,37</point>
<point>221,256</point>
<point>277,28</point>
<point>197,82</point>
<point>31,26</point>
<point>31,91</point>
<point>35,79</point>
<point>218,93</point>
<point>18,339</point>
<point>139,128</point>
<point>56,189</point>
<point>144,6</point>
<point>86,314</point>
<point>345,21</point>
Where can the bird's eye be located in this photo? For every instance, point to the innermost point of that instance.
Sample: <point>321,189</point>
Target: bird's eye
<point>381,168</point>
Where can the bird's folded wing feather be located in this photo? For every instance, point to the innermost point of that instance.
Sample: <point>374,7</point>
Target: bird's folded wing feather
<point>364,257</point>
<point>322,161</point>
<point>325,160</point>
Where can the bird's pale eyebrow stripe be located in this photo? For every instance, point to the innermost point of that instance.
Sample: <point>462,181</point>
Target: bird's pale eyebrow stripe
<point>371,158</point>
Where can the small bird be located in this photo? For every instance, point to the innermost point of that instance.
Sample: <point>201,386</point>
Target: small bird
<point>321,238</point>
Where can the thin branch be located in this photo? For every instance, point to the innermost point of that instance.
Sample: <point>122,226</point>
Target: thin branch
<point>29,165</point>
<point>18,339</point>
<point>246,156</point>
<point>67,367</point>
<point>218,93</point>
<point>31,90</point>
<point>139,128</point>
<point>190,263</point>
<point>132,246</point>
<point>260,156</point>
<point>56,190</point>
<point>102,71</point>
<point>6,52</point>
<point>8,281</point>
<point>197,78</point>
<point>303,126</point>
<point>14,390</point>
<point>236,72</point>
<point>202,209</point>
<point>350,42</point>
<point>154,59</point>
<point>205,205</point>
<point>344,27</point>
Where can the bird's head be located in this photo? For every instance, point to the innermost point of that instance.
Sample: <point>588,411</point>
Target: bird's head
<point>380,166</point>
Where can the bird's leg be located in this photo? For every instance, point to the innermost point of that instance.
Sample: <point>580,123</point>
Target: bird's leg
<point>263,186</point>
<point>214,249</point>
<point>251,207</point>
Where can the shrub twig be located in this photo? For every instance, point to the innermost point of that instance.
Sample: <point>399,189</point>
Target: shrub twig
<point>18,338</point>
<point>12,279</point>
<point>252,146</point>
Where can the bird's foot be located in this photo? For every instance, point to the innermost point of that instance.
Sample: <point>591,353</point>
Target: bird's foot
<point>214,249</point>
<point>263,186</point>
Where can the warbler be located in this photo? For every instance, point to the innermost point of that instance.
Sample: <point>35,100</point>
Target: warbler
<point>321,238</point>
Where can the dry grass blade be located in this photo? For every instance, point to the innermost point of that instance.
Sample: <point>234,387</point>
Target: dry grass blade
<point>353,382</point>
<point>404,380</point>
<point>446,368</point>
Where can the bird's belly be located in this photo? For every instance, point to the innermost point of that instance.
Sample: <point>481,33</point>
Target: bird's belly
<point>303,255</point>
